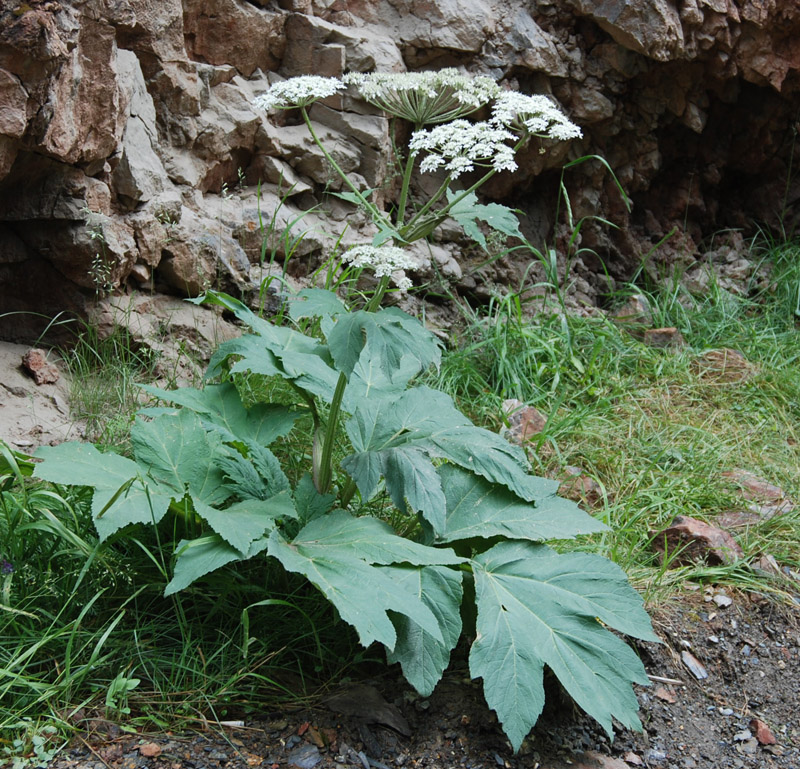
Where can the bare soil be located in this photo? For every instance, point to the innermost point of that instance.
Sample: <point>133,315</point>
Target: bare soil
<point>744,713</point>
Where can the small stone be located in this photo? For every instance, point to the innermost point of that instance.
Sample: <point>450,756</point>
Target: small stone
<point>663,337</point>
<point>633,759</point>
<point>743,735</point>
<point>306,756</point>
<point>150,750</point>
<point>762,732</point>
<point>665,694</point>
<point>722,600</point>
<point>695,666</point>
<point>35,363</point>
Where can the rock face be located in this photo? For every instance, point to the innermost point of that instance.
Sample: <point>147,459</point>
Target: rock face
<point>130,152</point>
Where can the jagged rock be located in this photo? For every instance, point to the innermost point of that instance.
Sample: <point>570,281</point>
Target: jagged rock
<point>35,362</point>
<point>523,421</point>
<point>689,540</point>
<point>236,33</point>
<point>170,328</point>
<point>203,255</point>
<point>663,337</point>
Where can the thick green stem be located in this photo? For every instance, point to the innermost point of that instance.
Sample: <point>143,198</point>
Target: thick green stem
<point>401,206</point>
<point>375,302</point>
<point>332,428</point>
<point>373,210</point>
<point>347,492</point>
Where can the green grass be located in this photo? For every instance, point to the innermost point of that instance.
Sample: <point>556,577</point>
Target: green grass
<point>77,615</point>
<point>643,422</point>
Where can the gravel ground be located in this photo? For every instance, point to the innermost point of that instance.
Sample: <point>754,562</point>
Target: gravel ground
<point>725,695</point>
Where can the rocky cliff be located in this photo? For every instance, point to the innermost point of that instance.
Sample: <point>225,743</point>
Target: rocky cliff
<point>130,152</point>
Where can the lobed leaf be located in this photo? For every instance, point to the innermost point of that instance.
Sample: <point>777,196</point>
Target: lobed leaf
<point>467,211</point>
<point>422,657</point>
<point>477,508</point>
<point>537,607</point>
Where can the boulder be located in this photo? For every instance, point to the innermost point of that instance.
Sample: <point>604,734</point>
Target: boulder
<point>688,540</point>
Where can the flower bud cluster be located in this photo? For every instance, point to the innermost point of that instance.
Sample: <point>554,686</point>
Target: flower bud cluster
<point>384,261</point>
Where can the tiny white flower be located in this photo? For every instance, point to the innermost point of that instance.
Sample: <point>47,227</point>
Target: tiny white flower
<point>534,114</point>
<point>460,146</point>
<point>298,92</point>
<point>425,97</point>
<point>384,261</point>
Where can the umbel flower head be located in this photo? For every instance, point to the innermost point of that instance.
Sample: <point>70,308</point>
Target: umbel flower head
<point>298,92</point>
<point>425,97</point>
<point>384,261</point>
<point>459,146</point>
<point>534,114</point>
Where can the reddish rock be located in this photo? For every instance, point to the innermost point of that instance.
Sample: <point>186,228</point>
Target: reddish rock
<point>150,750</point>
<point>762,732</point>
<point>755,488</point>
<point>663,337</point>
<point>580,487</point>
<point>724,365</point>
<point>688,540</point>
<point>523,421</point>
<point>35,363</point>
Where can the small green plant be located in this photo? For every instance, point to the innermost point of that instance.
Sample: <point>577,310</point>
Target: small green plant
<point>474,519</point>
<point>117,694</point>
<point>36,746</point>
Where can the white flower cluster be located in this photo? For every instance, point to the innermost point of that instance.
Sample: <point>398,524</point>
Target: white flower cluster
<point>535,114</point>
<point>425,97</point>
<point>298,92</point>
<point>383,261</point>
<point>460,146</point>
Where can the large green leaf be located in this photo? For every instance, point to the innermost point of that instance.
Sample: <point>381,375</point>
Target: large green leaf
<point>422,657</point>
<point>315,303</point>
<point>197,557</point>
<point>477,508</point>
<point>392,335</point>
<point>537,607</point>
<point>220,408</point>
<point>243,522</point>
<point>467,211</point>
<point>404,433</point>
<point>121,495</point>
<point>336,553</point>
<point>179,454</point>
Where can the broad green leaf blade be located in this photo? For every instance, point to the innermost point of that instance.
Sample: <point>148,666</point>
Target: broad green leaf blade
<point>244,522</point>
<point>468,210</point>
<point>392,335</point>
<point>197,557</point>
<point>371,379</point>
<point>311,372</point>
<point>421,656</point>
<point>537,607</point>
<point>476,508</point>
<point>220,408</point>
<point>427,420</point>
<point>368,539</point>
<point>81,464</point>
<point>120,497</point>
<point>315,303</point>
<point>179,454</point>
<point>328,552</point>
<point>250,348</point>
<point>308,502</point>
<point>410,476</point>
